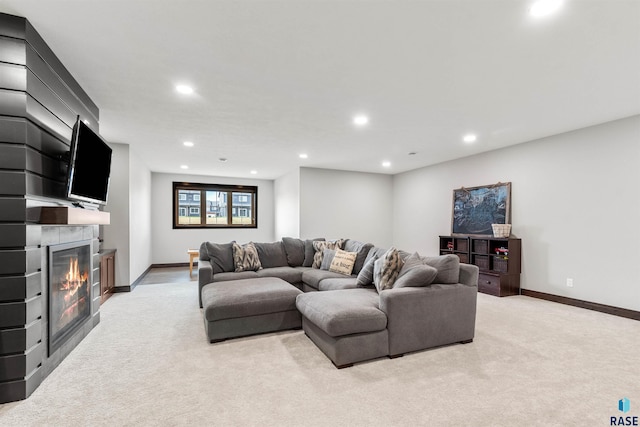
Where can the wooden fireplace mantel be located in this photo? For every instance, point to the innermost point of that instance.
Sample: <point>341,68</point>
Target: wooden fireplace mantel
<point>65,215</point>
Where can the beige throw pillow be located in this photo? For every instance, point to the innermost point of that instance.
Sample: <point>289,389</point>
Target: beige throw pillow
<point>343,262</point>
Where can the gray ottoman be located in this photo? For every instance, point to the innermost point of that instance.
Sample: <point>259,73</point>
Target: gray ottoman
<point>347,325</point>
<point>238,308</point>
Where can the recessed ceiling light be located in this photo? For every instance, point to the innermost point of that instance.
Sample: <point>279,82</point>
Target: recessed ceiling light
<point>254,172</point>
<point>188,144</point>
<point>470,138</point>
<point>184,89</point>
<point>360,120</point>
<point>544,7</point>
<point>303,156</point>
<point>386,164</point>
<point>222,159</point>
<point>184,167</point>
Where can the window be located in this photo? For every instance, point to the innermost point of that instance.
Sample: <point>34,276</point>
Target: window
<point>207,205</point>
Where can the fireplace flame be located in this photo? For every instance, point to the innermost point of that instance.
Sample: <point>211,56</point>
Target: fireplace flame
<point>73,279</point>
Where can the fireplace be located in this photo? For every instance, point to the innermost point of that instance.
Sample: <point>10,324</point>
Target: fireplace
<point>70,267</point>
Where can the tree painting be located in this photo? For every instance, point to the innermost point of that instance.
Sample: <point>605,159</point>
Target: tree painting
<point>476,208</point>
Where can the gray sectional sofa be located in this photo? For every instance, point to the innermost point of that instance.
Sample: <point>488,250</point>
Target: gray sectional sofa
<point>350,322</point>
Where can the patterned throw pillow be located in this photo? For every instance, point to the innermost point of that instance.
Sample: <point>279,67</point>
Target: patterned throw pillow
<point>238,257</point>
<point>365,277</point>
<point>343,262</point>
<point>246,258</point>
<point>320,246</point>
<point>386,269</point>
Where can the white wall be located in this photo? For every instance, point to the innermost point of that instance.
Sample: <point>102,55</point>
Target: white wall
<point>574,204</point>
<point>130,207</point>
<point>140,237</point>
<point>287,205</point>
<point>116,234</point>
<point>342,204</point>
<point>170,246</point>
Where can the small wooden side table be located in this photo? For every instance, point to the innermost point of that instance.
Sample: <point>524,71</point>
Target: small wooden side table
<point>193,253</point>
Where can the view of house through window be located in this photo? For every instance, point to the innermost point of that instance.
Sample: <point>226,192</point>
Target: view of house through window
<point>210,205</point>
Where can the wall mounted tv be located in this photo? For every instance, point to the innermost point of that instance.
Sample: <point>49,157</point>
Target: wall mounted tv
<point>89,166</point>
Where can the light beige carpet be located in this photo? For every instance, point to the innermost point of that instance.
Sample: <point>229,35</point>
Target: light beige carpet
<point>532,363</point>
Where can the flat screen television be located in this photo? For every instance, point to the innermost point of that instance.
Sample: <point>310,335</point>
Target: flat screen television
<point>89,166</point>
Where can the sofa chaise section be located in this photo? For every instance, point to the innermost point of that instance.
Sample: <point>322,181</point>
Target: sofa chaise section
<point>347,325</point>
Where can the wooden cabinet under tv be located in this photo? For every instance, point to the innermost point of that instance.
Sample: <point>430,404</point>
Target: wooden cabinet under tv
<point>107,273</point>
<point>499,261</point>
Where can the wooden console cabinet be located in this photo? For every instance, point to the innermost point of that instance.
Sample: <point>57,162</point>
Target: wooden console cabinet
<point>499,261</point>
<point>107,273</point>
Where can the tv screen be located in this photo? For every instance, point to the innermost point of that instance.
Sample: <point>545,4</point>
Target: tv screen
<point>89,166</point>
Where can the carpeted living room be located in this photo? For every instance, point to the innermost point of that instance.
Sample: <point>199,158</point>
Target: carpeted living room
<point>319,212</point>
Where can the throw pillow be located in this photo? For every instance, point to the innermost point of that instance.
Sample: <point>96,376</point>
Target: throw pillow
<point>343,262</point>
<point>386,269</point>
<point>416,276</point>
<point>320,247</point>
<point>204,255</point>
<point>251,261</point>
<point>309,251</point>
<point>448,267</point>
<point>327,257</point>
<point>362,249</point>
<point>272,254</point>
<point>294,248</point>
<point>365,277</point>
<point>238,257</point>
<point>414,260</point>
<point>221,256</point>
<point>246,257</point>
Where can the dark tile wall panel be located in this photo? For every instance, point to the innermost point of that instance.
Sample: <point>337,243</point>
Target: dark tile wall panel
<point>13,51</point>
<point>50,78</point>
<point>22,157</point>
<point>13,103</point>
<point>20,313</point>
<point>24,183</point>
<point>13,26</point>
<point>17,339</point>
<point>22,388</point>
<point>21,287</point>
<point>17,366</point>
<point>44,118</point>
<point>20,235</point>
<point>13,183</point>
<point>39,45</point>
<point>14,209</point>
<point>39,102</point>
<point>17,130</point>
<point>12,76</point>
<point>20,104</point>
<point>41,93</point>
<point>19,261</point>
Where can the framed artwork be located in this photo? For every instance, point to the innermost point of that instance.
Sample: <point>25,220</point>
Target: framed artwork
<point>476,208</point>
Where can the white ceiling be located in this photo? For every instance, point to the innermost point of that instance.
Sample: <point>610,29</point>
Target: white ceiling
<point>277,78</point>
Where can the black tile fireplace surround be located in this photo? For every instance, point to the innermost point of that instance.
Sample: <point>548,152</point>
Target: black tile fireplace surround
<point>39,103</point>
<point>27,356</point>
